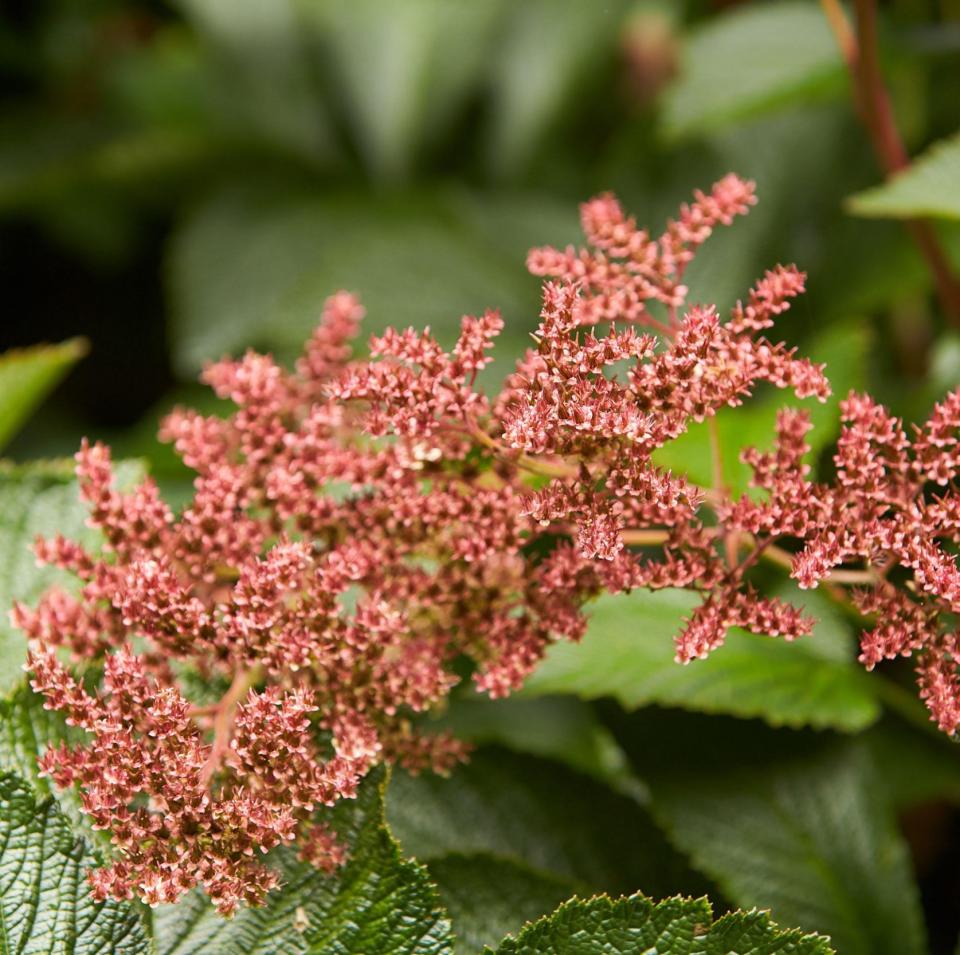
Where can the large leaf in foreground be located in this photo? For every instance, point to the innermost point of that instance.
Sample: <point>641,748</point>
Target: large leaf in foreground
<point>377,904</point>
<point>749,60</point>
<point>628,654</point>
<point>27,375</point>
<point>787,821</point>
<point>45,904</point>
<point>35,500</point>
<point>671,927</point>
<point>930,186</point>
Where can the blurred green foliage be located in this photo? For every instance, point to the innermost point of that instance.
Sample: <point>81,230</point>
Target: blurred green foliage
<point>184,179</point>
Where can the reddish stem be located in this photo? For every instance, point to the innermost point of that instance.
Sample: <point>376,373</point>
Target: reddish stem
<point>861,51</point>
<point>223,722</point>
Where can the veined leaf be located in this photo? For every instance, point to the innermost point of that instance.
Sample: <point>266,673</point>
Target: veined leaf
<point>28,375</point>
<point>45,904</point>
<point>26,731</point>
<point>930,186</point>
<point>628,654</point>
<point>749,60</point>
<point>40,499</point>
<point>488,897</point>
<point>672,927</point>
<point>561,728</point>
<point>787,821</point>
<point>507,805</point>
<point>377,904</point>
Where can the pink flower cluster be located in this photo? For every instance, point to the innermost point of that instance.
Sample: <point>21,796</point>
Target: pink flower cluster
<point>360,527</point>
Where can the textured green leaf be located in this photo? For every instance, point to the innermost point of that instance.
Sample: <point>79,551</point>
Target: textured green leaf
<point>489,897</point>
<point>842,347</point>
<point>27,376</point>
<point>749,60</point>
<point>377,904</point>
<point>789,821</point>
<point>26,731</point>
<point>672,927</point>
<point>507,805</point>
<point>930,186</point>
<point>36,500</point>
<point>557,727</point>
<point>45,905</point>
<point>921,767</point>
<point>628,654</point>
<point>253,266</point>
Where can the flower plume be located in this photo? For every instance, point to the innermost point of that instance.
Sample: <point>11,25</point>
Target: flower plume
<point>472,530</point>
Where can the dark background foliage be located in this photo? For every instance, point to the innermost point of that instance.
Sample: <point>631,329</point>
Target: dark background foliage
<point>180,180</point>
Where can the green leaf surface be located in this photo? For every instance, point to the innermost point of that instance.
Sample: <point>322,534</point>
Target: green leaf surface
<point>377,904</point>
<point>674,926</point>
<point>264,74</point>
<point>506,805</point>
<point>922,767</point>
<point>252,266</point>
<point>628,654</point>
<point>842,347</point>
<point>489,897</point>
<point>749,60</point>
<point>45,905</point>
<point>930,186</point>
<point>561,728</point>
<point>27,376</point>
<point>404,69</point>
<point>543,58</point>
<point>36,500</point>
<point>795,822</point>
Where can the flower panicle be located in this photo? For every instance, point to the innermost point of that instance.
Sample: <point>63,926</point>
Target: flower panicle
<point>363,532</point>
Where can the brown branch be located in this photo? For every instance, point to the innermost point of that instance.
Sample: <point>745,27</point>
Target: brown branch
<point>861,51</point>
<point>223,721</point>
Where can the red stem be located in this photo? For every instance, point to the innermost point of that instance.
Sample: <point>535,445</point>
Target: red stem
<point>861,51</point>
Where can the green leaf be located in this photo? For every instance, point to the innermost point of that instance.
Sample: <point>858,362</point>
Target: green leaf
<point>252,266</point>
<point>45,905</point>
<point>377,904</point>
<point>38,499</point>
<point>264,74</point>
<point>790,821</point>
<point>929,186</point>
<point>28,375</point>
<point>404,69</point>
<point>26,731</point>
<point>507,805</point>
<point>842,347</point>
<point>628,654</point>
<point>556,727</point>
<point>487,896</point>
<point>750,60</point>
<point>923,767</point>
<point>672,927</point>
<point>545,55</point>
